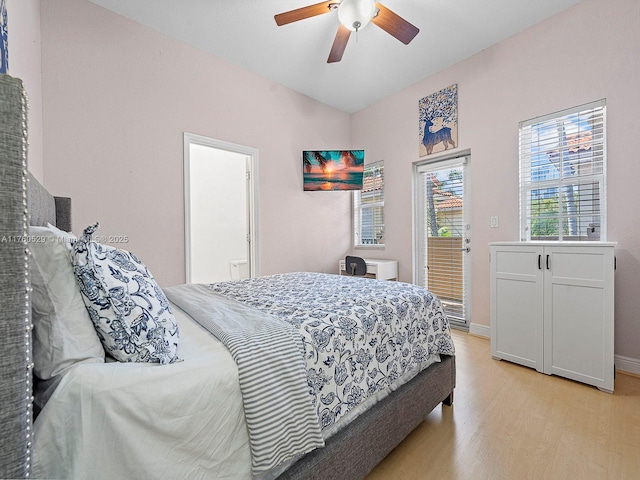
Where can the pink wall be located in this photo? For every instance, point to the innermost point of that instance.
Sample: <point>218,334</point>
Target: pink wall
<point>118,97</point>
<point>589,52</point>
<point>23,21</point>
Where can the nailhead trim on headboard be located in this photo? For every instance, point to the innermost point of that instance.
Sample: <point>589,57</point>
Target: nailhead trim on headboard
<point>15,299</point>
<point>27,281</point>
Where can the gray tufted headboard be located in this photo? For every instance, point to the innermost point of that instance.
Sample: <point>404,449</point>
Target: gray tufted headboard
<point>45,208</point>
<point>15,306</point>
<point>22,201</point>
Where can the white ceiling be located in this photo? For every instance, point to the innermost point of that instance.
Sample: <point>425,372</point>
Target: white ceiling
<point>374,66</point>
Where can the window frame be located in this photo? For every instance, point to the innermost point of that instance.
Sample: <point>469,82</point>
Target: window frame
<point>358,209</point>
<point>597,144</point>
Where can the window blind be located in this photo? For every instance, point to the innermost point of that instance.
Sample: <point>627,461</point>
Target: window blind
<point>562,175</point>
<point>369,207</point>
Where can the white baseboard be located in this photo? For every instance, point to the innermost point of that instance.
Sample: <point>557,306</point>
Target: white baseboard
<point>626,364</point>
<point>623,364</point>
<point>480,330</point>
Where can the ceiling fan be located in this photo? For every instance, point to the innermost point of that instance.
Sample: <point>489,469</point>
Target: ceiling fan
<point>354,15</point>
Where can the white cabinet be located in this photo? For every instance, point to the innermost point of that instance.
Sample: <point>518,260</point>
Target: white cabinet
<point>552,308</point>
<point>379,269</point>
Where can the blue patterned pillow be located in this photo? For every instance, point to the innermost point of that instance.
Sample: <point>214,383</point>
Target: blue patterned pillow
<point>129,310</point>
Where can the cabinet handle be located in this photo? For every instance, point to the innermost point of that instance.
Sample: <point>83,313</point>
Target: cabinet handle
<point>547,262</point>
<point>539,262</point>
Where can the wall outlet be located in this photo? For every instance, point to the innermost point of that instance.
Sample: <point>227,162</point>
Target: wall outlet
<point>494,221</point>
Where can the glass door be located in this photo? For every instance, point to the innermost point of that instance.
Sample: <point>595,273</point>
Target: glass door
<point>444,235</point>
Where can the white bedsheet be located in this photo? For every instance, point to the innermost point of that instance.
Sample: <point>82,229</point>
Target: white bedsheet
<point>183,420</point>
<point>146,421</point>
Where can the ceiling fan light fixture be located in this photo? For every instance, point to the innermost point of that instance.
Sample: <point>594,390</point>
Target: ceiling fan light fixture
<point>356,14</point>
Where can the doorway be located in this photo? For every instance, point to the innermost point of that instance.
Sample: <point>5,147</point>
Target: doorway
<point>221,241</point>
<point>443,234</point>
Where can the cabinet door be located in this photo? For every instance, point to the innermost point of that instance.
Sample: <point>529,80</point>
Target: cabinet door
<point>517,304</point>
<point>578,318</point>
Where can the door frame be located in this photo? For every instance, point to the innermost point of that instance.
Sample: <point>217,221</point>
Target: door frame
<point>418,213</point>
<point>252,196</point>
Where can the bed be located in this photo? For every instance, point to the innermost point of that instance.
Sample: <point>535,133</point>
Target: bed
<point>187,419</point>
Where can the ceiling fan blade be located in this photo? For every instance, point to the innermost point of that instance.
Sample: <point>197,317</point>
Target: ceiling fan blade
<point>339,44</point>
<point>304,12</point>
<point>394,24</point>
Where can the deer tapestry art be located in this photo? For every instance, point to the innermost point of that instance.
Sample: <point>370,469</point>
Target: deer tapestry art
<point>438,121</point>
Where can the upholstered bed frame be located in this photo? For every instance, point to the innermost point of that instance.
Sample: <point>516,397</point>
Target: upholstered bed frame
<point>23,201</point>
<point>355,450</point>
<point>351,453</point>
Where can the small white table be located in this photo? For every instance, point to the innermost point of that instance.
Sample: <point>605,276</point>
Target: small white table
<point>378,269</point>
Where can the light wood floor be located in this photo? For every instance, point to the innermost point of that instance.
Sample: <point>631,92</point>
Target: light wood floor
<point>511,422</point>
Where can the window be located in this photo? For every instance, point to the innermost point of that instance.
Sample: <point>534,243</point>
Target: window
<point>368,208</point>
<point>563,175</point>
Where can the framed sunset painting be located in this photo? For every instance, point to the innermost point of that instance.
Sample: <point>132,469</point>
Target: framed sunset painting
<point>325,170</point>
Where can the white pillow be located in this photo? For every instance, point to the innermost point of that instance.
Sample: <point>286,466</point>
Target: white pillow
<point>63,334</point>
<point>129,310</point>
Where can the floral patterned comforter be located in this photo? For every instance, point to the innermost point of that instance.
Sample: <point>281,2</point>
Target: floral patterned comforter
<point>360,335</point>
